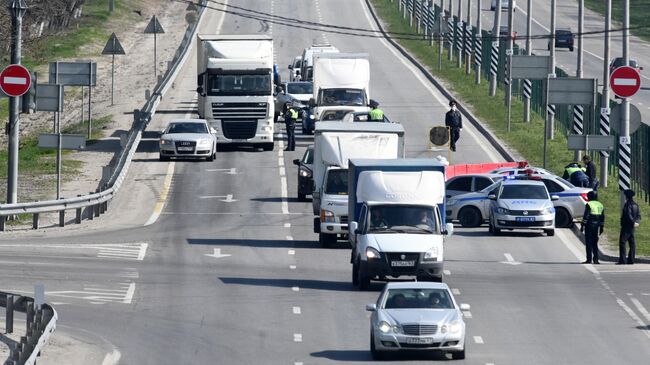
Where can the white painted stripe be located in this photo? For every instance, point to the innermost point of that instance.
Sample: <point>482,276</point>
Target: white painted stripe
<point>129,294</point>
<point>285,203</point>
<point>455,291</point>
<point>143,251</point>
<point>289,238</point>
<point>297,337</point>
<point>297,363</point>
<point>163,195</point>
<point>623,272</point>
<point>467,314</point>
<point>283,172</point>
<point>287,225</point>
<point>625,82</point>
<point>631,313</point>
<point>478,339</point>
<point>296,310</point>
<point>641,308</point>
<point>15,80</point>
<point>292,267</point>
<point>280,161</point>
<point>292,252</point>
<point>113,358</point>
<point>295,288</point>
<point>446,272</point>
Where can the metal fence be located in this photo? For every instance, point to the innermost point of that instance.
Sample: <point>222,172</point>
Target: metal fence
<point>422,15</point>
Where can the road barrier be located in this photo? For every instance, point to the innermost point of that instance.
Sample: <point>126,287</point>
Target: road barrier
<point>97,203</point>
<point>40,323</point>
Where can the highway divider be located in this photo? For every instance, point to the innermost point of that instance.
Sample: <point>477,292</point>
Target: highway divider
<point>97,203</point>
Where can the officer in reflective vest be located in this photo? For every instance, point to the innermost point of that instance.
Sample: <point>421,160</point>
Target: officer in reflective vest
<point>576,175</point>
<point>593,224</point>
<point>375,113</point>
<point>290,118</point>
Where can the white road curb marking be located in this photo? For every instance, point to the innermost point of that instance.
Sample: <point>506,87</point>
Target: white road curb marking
<point>289,238</point>
<point>287,225</point>
<point>478,339</point>
<point>292,267</point>
<point>641,308</point>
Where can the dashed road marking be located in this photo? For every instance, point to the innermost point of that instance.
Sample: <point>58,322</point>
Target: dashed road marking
<point>478,339</point>
<point>641,308</point>
<point>283,172</point>
<point>467,314</point>
<point>297,337</point>
<point>446,272</point>
<point>289,238</point>
<point>295,288</point>
<point>455,291</point>
<point>280,162</point>
<point>287,225</point>
<point>292,267</point>
<point>291,252</point>
<point>296,310</point>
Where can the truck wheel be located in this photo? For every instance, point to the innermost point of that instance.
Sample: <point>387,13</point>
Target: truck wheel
<point>469,217</point>
<point>363,279</point>
<point>268,146</point>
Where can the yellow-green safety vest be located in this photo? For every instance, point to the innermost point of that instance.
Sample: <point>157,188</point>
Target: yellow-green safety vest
<point>294,114</point>
<point>596,207</point>
<point>571,170</point>
<point>376,114</point>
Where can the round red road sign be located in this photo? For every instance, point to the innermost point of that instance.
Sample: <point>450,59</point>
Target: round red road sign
<point>625,81</point>
<point>15,80</point>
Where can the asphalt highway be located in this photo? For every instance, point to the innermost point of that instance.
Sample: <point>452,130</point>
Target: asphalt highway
<point>231,273</point>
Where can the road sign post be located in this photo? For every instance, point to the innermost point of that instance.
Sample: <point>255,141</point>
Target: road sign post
<point>154,28</point>
<point>113,47</point>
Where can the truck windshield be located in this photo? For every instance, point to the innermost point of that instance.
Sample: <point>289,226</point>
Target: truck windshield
<point>239,84</point>
<point>402,219</point>
<point>337,182</point>
<point>349,97</point>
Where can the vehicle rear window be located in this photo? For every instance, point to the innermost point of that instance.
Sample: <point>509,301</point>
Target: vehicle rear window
<point>523,192</point>
<point>418,298</point>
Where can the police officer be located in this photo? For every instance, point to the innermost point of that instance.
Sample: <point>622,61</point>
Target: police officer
<point>290,118</point>
<point>576,175</point>
<point>454,121</point>
<point>590,170</point>
<point>630,220</point>
<point>375,113</point>
<point>593,224</point>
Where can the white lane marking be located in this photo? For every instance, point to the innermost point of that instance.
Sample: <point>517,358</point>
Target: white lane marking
<point>623,271</point>
<point>289,238</point>
<point>478,339</point>
<point>297,337</point>
<point>455,291</point>
<point>283,172</point>
<point>510,260</point>
<point>291,252</point>
<point>234,213</point>
<point>576,252</point>
<point>292,267</point>
<point>231,171</point>
<point>163,195</point>
<point>113,358</point>
<point>645,293</point>
<point>285,194</point>
<point>467,314</point>
<point>295,288</point>
<point>217,254</point>
<point>280,161</point>
<point>287,225</point>
<point>641,308</point>
<point>631,313</point>
<point>212,196</point>
<point>297,363</point>
<point>296,310</point>
<point>423,81</point>
<point>128,298</point>
<point>446,272</point>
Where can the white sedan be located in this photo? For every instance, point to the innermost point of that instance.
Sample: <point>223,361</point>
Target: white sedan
<point>417,316</point>
<point>188,138</point>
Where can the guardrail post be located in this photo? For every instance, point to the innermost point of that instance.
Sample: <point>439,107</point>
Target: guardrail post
<point>9,314</point>
<point>3,220</point>
<point>62,218</point>
<point>77,219</point>
<point>35,220</point>
<point>29,314</point>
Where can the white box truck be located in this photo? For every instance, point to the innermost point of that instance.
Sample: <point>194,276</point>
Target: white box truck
<point>341,85</point>
<point>307,64</point>
<point>235,88</point>
<point>334,144</point>
<point>396,210</point>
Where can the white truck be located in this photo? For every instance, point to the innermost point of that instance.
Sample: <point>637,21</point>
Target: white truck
<point>334,144</point>
<point>235,88</point>
<point>306,72</point>
<point>341,85</point>
<point>396,210</point>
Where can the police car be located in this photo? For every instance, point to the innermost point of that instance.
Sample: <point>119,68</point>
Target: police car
<point>522,204</point>
<point>472,209</point>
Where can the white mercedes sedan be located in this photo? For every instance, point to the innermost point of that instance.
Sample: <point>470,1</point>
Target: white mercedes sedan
<point>417,316</point>
<point>188,138</point>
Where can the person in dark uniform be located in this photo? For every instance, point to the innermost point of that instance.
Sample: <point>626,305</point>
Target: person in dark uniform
<point>454,121</point>
<point>290,118</point>
<point>593,224</point>
<point>630,219</point>
<point>590,170</point>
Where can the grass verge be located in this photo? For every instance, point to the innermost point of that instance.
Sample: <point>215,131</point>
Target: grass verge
<point>638,15</point>
<point>523,137</point>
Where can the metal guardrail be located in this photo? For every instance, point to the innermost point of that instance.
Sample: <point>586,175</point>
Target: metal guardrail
<point>98,202</point>
<point>40,324</point>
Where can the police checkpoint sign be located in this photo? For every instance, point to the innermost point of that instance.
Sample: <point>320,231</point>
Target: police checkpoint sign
<point>15,80</point>
<point>625,81</point>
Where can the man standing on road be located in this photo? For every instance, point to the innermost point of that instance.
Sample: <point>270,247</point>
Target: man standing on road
<point>590,170</point>
<point>454,121</point>
<point>290,118</point>
<point>593,224</point>
<point>630,219</point>
<point>375,113</point>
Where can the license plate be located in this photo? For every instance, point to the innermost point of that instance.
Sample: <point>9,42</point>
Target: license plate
<point>186,148</point>
<point>402,263</point>
<point>524,219</point>
<point>419,341</point>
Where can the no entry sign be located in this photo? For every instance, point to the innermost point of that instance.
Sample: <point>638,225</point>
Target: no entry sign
<point>15,80</point>
<point>625,81</point>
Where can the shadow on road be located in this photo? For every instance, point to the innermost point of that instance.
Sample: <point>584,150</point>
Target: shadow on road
<point>289,283</point>
<point>364,356</point>
<point>253,243</point>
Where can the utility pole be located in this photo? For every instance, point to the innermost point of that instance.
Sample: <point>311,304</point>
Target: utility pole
<point>509,58</point>
<point>468,39</point>
<point>478,45</point>
<point>550,109</point>
<point>528,85</point>
<point>453,31</point>
<point>494,55</point>
<point>441,38</point>
<point>604,105</point>
<point>624,153</point>
<point>17,8</point>
<point>578,110</point>
<point>461,35</point>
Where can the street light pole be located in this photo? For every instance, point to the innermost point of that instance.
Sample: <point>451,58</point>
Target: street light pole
<point>511,4</point>
<point>528,85</point>
<point>494,55</point>
<point>550,112</point>
<point>17,9</point>
<point>604,105</point>
<point>478,57</point>
<point>578,110</point>
<point>461,35</point>
<point>624,153</point>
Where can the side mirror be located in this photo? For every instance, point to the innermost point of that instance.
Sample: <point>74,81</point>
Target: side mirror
<point>449,229</point>
<point>492,197</point>
<point>354,227</point>
<point>200,90</point>
<point>290,67</point>
<point>555,197</point>
<point>312,103</point>
<point>464,307</point>
<point>296,162</point>
<point>371,307</point>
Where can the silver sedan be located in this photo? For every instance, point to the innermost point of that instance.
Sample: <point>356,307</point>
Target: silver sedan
<point>188,138</point>
<point>417,316</point>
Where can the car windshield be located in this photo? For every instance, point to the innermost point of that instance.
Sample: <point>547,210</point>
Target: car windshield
<point>308,158</point>
<point>350,97</point>
<point>187,128</point>
<point>402,219</point>
<point>418,299</point>
<point>299,88</point>
<point>523,192</point>
<point>239,84</point>
<point>337,182</point>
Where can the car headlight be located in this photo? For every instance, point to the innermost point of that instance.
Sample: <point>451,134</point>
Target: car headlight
<point>385,327</point>
<point>204,142</point>
<point>165,142</point>
<point>502,210</point>
<point>304,172</point>
<point>548,210</point>
<point>311,116</point>
<point>451,202</point>
<point>327,216</point>
<point>454,327</point>
<point>431,254</point>
<point>372,254</point>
